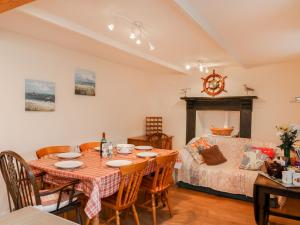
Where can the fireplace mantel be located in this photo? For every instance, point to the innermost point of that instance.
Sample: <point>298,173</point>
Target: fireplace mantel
<point>244,104</point>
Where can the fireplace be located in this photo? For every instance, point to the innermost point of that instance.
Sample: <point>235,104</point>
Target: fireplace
<point>243,104</point>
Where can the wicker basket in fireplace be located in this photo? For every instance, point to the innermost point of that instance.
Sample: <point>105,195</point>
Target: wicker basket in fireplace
<point>221,131</point>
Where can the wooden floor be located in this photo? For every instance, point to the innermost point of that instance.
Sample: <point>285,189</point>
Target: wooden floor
<point>196,208</point>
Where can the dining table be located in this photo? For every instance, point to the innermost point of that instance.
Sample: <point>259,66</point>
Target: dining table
<point>97,179</point>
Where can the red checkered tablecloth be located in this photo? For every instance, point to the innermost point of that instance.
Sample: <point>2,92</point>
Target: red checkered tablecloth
<point>97,180</point>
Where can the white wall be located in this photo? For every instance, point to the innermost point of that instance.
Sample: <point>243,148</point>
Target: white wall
<point>123,99</point>
<point>276,85</point>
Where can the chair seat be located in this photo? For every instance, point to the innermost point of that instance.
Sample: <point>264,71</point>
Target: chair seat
<point>49,202</point>
<point>110,201</point>
<point>147,184</point>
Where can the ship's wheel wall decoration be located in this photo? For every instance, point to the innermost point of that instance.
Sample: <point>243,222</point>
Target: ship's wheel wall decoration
<point>214,84</point>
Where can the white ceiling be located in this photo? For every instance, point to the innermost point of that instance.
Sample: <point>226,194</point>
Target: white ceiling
<point>254,32</point>
<point>223,32</point>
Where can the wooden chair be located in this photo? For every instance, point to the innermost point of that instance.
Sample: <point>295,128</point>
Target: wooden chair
<point>89,145</point>
<point>43,152</point>
<point>160,140</point>
<point>157,185</point>
<point>131,178</point>
<point>22,188</point>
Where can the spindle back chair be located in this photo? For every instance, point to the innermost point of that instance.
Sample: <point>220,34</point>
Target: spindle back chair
<point>131,178</point>
<point>22,189</point>
<point>44,152</point>
<point>89,145</point>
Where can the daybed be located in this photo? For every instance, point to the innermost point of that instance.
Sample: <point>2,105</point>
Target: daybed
<point>225,178</point>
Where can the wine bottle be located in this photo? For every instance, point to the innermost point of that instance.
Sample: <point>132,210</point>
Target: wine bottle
<point>103,141</point>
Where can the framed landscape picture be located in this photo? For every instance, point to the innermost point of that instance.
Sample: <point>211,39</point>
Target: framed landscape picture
<point>39,95</point>
<point>85,82</point>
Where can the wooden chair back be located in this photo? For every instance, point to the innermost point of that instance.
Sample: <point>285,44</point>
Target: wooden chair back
<point>131,178</point>
<point>163,177</point>
<point>20,181</point>
<point>43,152</point>
<point>160,140</point>
<point>89,145</point>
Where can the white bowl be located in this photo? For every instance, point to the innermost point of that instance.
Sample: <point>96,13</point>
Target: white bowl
<point>125,148</point>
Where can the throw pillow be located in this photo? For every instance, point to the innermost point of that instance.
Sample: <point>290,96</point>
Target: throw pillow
<point>195,147</point>
<point>201,142</point>
<point>213,156</point>
<point>253,159</point>
<point>267,151</point>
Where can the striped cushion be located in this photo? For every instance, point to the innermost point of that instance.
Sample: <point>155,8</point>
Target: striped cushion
<point>49,202</point>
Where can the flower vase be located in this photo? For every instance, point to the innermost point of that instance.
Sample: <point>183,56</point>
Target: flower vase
<point>287,157</point>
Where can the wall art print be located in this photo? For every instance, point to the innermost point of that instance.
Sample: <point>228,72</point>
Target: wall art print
<point>85,82</point>
<point>39,95</point>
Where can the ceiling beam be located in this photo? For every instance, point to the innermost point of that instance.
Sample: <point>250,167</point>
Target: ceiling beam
<point>84,31</point>
<point>6,5</point>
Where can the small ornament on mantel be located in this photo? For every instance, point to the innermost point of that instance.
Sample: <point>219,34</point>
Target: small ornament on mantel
<point>248,89</point>
<point>184,91</point>
<point>214,84</point>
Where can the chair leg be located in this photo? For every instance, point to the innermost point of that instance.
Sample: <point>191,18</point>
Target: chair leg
<point>153,208</point>
<point>117,217</point>
<point>135,215</point>
<point>163,199</point>
<point>79,217</point>
<point>168,203</point>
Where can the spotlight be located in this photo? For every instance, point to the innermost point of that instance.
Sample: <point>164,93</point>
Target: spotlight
<point>187,67</point>
<point>151,46</point>
<point>206,70</point>
<point>111,26</point>
<point>201,68</point>
<point>132,36</point>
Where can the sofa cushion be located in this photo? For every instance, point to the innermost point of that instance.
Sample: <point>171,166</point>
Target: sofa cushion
<point>49,202</point>
<point>195,146</point>
<point>270,152</point>
<point>253,159</point>
<point>213,156</point>
<point>201,142</point>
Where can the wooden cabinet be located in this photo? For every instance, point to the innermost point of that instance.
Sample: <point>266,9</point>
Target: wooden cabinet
<point>143,140</point>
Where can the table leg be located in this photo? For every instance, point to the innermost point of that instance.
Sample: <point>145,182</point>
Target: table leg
<point>263,208</point>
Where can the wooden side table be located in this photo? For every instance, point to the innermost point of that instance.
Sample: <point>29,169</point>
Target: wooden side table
<point>263,188</point>
<point>143,140</point>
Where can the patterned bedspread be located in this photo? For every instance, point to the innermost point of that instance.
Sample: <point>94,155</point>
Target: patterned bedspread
<point>226,177</point>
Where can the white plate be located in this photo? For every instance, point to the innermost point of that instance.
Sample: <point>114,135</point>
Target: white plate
<point>69,155</point>
<point>70,164</point>
<point>97,148</point>
<point>144,148</point>
<point>147,154</point>
<point>118,163</point>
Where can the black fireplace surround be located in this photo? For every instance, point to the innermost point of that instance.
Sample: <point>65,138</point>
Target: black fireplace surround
<point>243,104</point>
